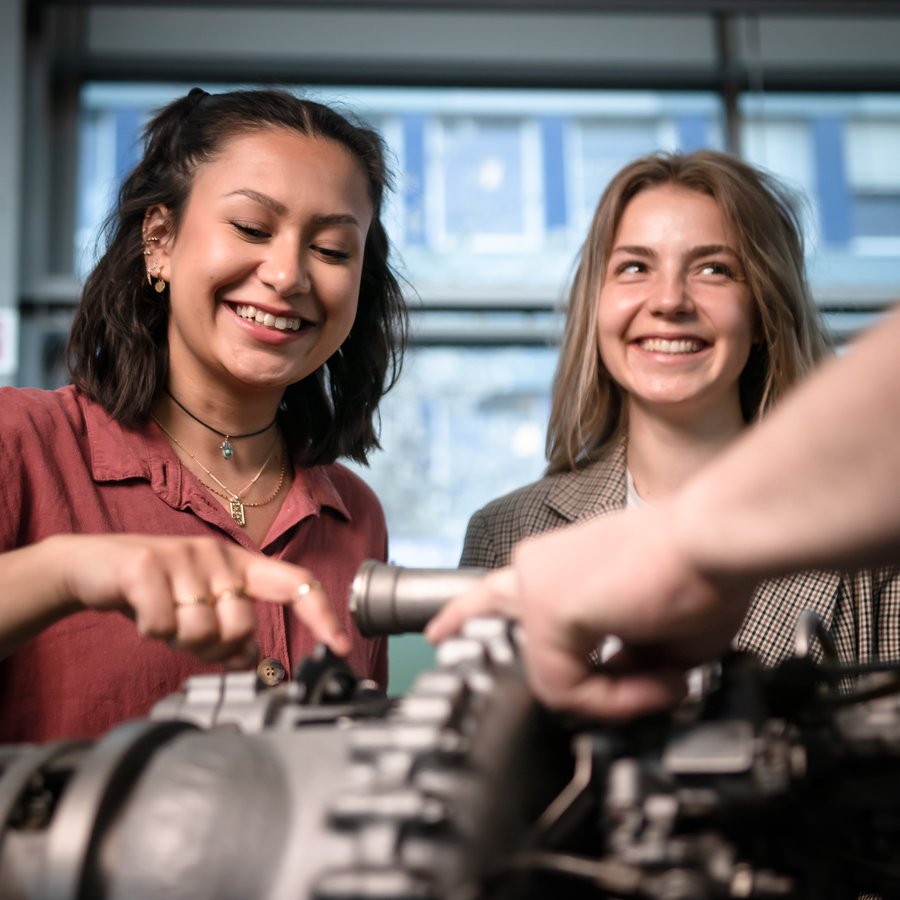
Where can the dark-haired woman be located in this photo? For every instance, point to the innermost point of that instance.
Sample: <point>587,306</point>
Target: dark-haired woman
<point>232,343</point>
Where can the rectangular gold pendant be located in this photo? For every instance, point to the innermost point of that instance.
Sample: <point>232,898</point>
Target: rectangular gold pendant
<point>237,512</point>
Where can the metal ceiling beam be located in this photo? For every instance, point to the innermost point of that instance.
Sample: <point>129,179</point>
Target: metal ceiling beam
<point>768,7</point>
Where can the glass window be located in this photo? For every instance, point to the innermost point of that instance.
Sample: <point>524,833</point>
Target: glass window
<point>482,195</point>
<point>873,168</point>
<point>495,188</point>
<point>841,152</point>
<point>463,425</point>
<point>494,193</point>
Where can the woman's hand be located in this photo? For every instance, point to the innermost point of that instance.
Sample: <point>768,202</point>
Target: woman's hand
<point>196,594</point>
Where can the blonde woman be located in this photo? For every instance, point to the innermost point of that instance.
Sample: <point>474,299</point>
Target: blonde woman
<point>689,318</point>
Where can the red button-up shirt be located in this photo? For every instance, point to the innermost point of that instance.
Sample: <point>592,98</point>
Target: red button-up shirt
<point>66,467</point>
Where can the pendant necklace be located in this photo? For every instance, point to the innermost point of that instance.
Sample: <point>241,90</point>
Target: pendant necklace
<point>236,505</point>
<point>226,446</point>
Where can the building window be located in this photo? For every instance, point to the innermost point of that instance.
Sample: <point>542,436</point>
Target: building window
<point>840,153</point>
<point>495,192</point>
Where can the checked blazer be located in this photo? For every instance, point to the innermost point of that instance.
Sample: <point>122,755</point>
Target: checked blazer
<point>862,610</point>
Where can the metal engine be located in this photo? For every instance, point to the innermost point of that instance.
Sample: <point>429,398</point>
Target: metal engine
<point>776,783</point>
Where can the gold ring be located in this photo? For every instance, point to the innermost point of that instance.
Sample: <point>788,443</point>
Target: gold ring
<point>195,600</point>
<point>236,592</point>
<point>307,586</point>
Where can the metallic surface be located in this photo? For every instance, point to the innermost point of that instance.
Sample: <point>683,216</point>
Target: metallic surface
<point>387,599</point>
<point>770,784</point>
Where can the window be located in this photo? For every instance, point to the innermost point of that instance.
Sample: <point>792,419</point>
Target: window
<point>495,192</point>
<point>495,188</point>
<point>463,425</point>
<point>873,170</point>
<point>840,152</point>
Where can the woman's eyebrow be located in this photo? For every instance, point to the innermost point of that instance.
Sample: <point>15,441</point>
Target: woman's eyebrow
<point>280,209</point>
<point>263,199</point>
<point>634,250</point>
<point>336,219</point>
<point>711,250</point>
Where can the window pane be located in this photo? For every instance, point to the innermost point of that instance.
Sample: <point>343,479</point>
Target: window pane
<point>494,187</point>
<point>462,426</point>
<point>481,185</point>
<point>495,190</point>
<point>842,153</point>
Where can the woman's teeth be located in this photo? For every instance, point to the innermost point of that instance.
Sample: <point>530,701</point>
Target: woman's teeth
<point>661,345</point>
<point>281,323</point>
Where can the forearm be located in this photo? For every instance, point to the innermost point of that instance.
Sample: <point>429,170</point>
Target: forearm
<point>815,485</point>
<point>32,592</point>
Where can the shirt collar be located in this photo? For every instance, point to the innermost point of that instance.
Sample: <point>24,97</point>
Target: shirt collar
<point>118,452</point>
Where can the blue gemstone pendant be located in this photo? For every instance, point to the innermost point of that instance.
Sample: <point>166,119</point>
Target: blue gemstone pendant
<point>227,449</point>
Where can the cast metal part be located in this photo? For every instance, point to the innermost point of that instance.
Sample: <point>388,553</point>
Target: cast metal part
<point>232,789</point>
<point>769,784</point>
<point>387,599</point>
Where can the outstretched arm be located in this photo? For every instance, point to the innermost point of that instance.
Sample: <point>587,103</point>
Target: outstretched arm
<point>816,484</point>
<point>195,593</point>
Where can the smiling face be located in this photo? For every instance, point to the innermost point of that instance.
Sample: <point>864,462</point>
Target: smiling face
<point>675,319</point>
<point>264,270</point>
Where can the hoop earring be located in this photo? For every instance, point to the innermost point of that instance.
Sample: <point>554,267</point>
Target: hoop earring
<point>156,272</point>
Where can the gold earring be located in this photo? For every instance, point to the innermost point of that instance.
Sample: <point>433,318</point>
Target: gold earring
<point>156,272</point>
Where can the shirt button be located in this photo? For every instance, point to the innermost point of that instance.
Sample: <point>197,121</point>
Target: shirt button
<point>271,671</point>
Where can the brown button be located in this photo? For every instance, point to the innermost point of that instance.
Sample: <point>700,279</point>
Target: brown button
<point>271,671</point>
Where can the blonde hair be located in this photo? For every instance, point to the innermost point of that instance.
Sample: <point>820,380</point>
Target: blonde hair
<point>587,411</point>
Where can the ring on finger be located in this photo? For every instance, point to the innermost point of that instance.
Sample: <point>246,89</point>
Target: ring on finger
<point>308,586</point>
<point>195,600</point>
<point>235,592</point>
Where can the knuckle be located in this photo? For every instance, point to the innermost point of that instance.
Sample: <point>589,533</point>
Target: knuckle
<point>236,631</point>
<point>200,635</point>
<point>160,631</point>
<point>139,564</point>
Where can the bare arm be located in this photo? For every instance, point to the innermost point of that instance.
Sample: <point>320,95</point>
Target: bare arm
<point>817,484</point>
<point>195,593</point>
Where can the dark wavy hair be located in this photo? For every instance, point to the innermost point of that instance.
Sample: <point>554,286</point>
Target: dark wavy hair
<point>118,348</point>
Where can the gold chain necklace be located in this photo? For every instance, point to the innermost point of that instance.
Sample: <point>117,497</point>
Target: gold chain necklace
<point>236,506</point>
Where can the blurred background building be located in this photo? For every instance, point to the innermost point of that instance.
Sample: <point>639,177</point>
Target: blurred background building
<point>504,121</point>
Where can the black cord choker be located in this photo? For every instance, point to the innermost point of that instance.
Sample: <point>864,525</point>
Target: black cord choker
<point>226,446</point>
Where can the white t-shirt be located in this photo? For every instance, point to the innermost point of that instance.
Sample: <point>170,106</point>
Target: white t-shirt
<point>633,500</point>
